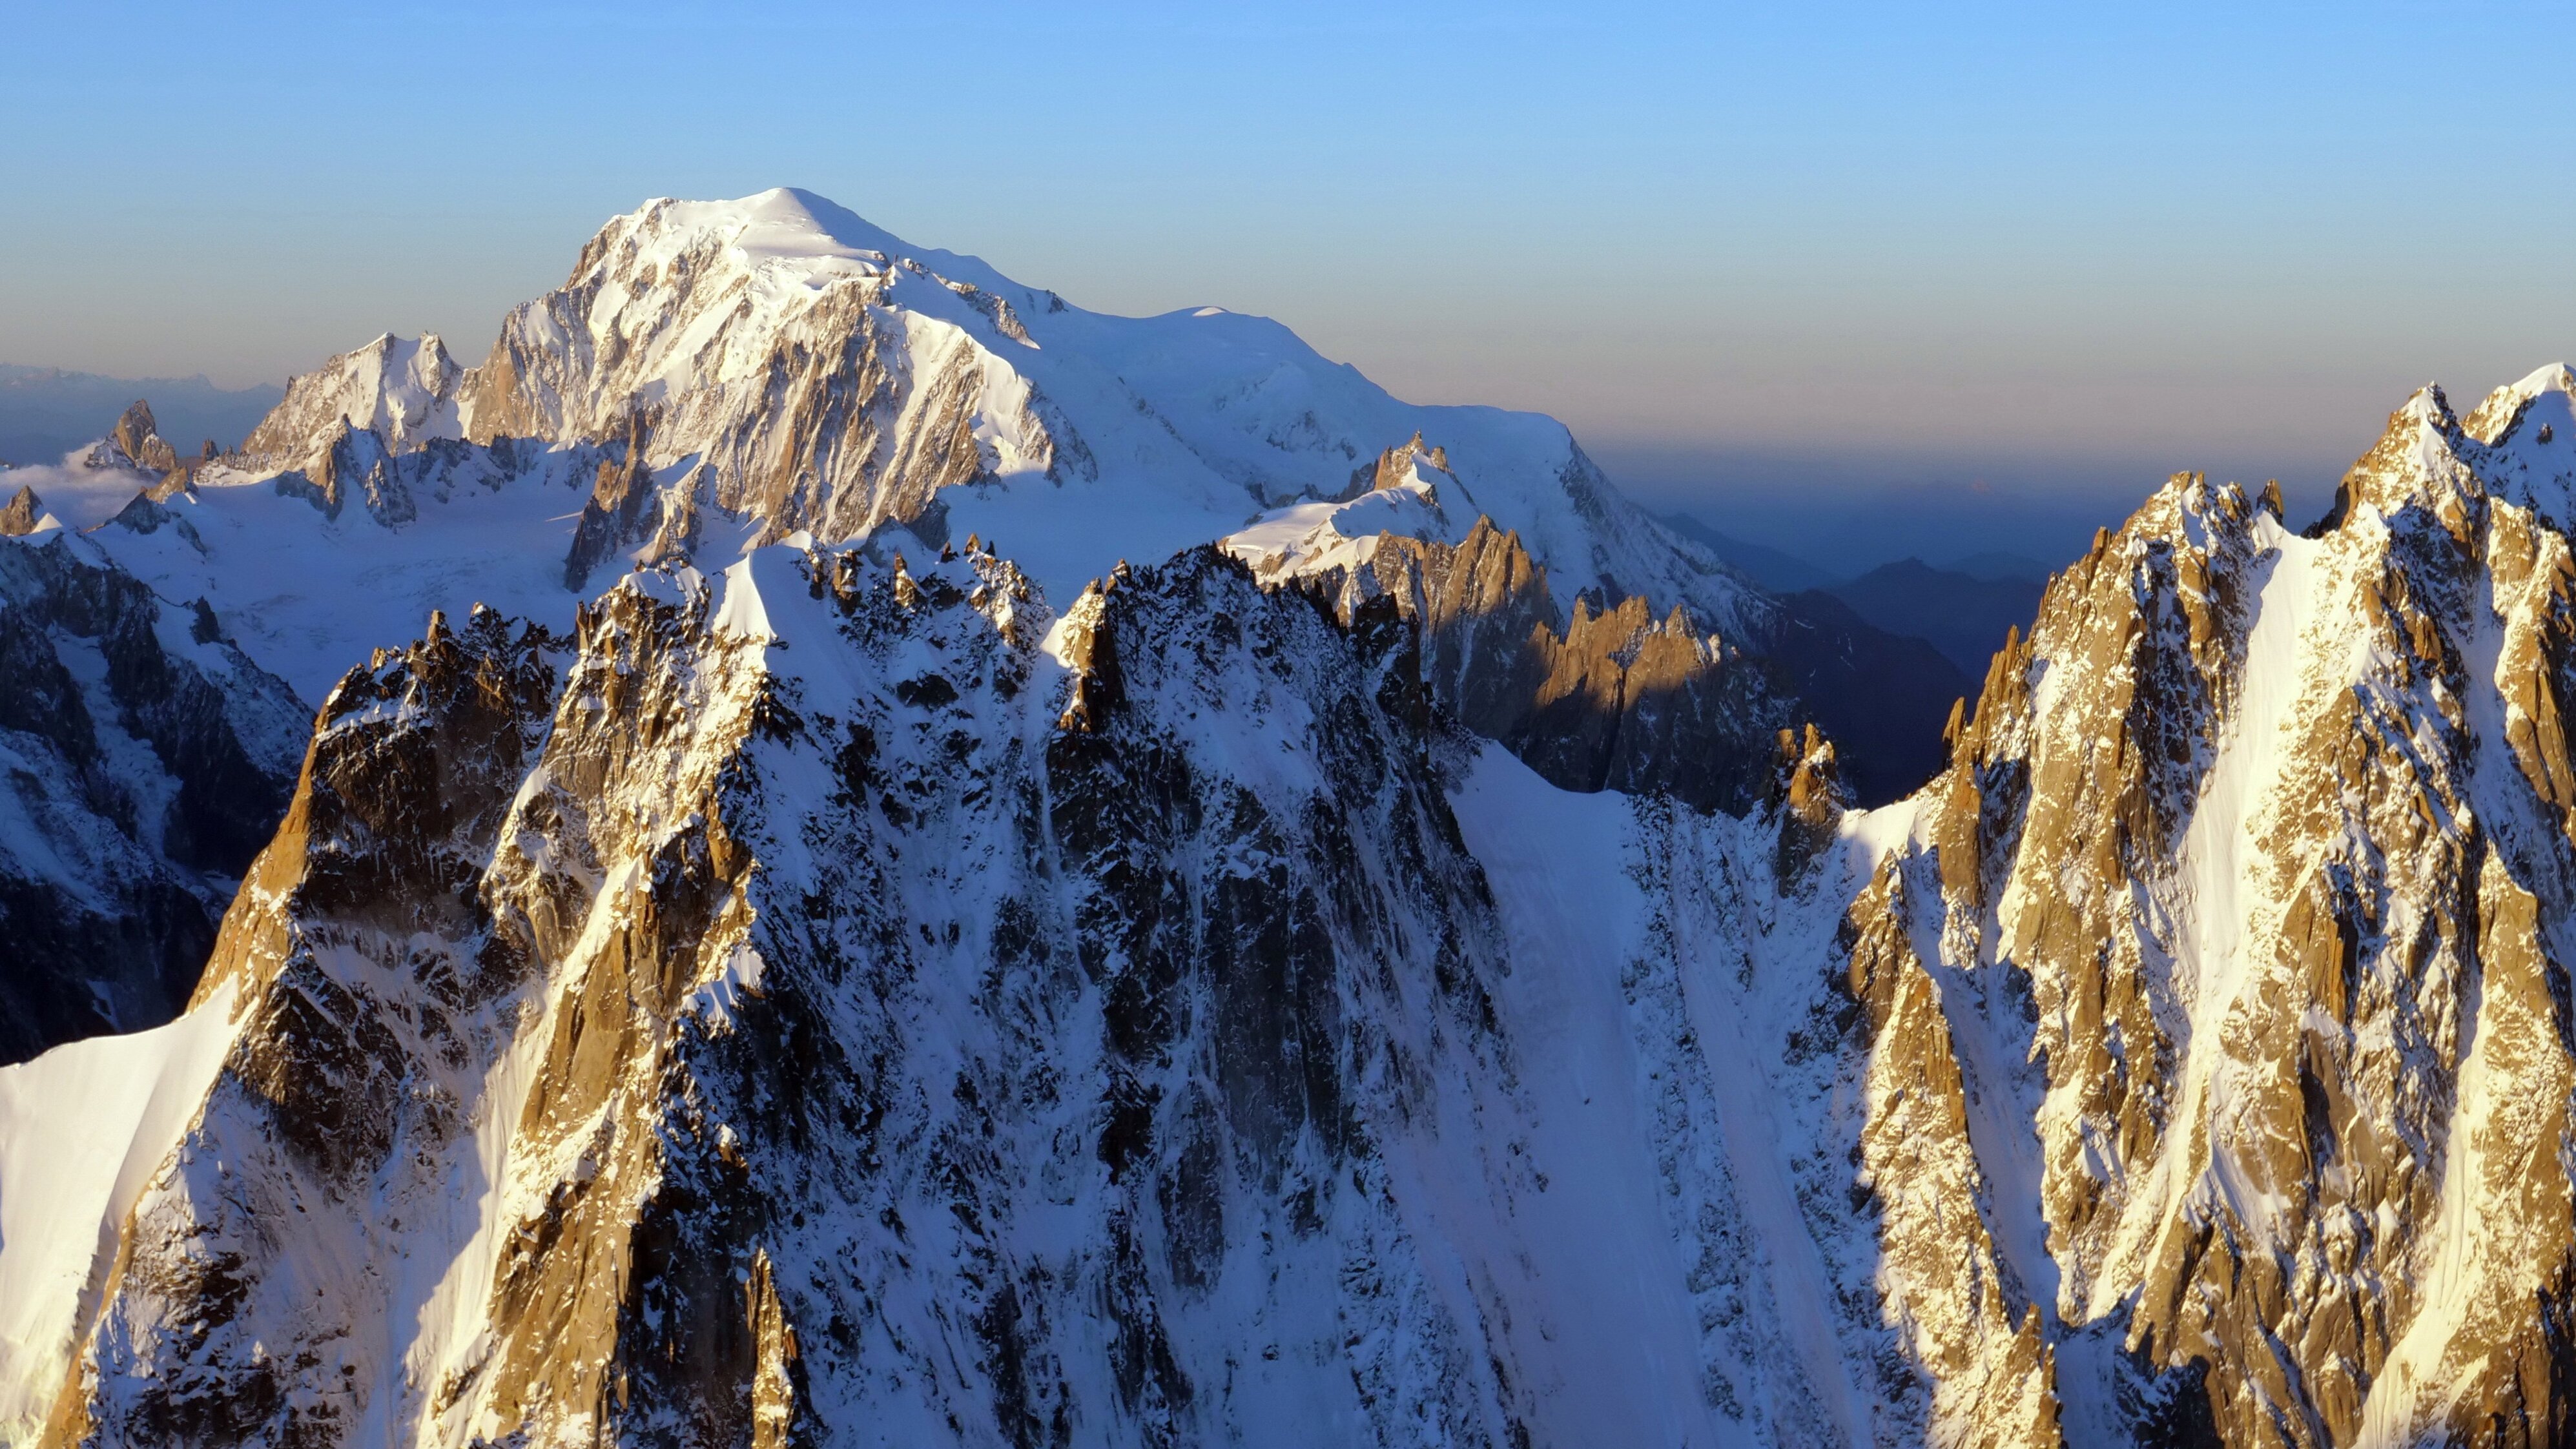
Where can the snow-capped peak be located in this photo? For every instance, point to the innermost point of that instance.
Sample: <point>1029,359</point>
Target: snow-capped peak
<point>2528,435</point>
<point>404,390</point>
<point>789,231</point>
<point>2495,419</point>
<point>1405,498</point>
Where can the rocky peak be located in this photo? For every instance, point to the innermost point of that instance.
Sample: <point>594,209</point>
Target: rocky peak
<point>145,514</point>
<point>135,443</point>
<point>24,512</point>
<point>413,758</point>
<point>2526,437</point>
<point>2504,411</point>
<point>2259,833</point>
<point>2417,463</point>
<point>1404,465</point>
<point>148,761</point>
<point>403,391</point>
<point>625,508</point>
<point>350,459</point>
<point>1808,794</point>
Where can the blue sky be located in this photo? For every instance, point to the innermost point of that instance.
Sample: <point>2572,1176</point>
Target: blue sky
<point>1813,269</point>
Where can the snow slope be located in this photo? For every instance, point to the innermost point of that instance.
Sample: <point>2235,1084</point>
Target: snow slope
<point>883,972</point>
<point>804,372</point>
<point>83,1130</point>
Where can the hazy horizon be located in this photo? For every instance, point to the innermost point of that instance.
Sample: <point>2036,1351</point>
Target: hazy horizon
<point>1765,266</point>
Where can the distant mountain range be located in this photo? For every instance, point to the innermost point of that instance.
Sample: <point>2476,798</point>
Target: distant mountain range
<point>827,848</point>
<point>1962,615</point>
<point>45,412</point>
<point>1963,608</point>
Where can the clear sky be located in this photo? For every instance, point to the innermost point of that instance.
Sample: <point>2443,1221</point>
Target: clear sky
<point>1810,269</point>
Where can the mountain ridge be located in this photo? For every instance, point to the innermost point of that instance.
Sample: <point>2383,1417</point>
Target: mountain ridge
<point>845,989</point>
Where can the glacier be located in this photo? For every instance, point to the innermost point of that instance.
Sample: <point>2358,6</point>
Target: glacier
<point>949,869</point>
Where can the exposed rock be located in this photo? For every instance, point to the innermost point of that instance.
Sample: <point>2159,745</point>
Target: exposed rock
<point>145,514</point>
<point>24,512</point>
<point>355,459</point>
<point>143,768</point>
<point>623,509</point>
<point>402,392</point>
<point>135,443</point>
<point>2265,826</point>
<point>1619,699</point>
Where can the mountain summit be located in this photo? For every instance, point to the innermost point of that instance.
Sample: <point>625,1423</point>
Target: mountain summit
<point>884,859</point>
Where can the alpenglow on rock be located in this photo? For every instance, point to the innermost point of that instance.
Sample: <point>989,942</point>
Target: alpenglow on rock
<point>1385,960</point>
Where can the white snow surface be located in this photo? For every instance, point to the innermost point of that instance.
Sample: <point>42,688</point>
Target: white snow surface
<point>83,1130</point>
<point>1319,538</point>
<point>309,597</point>
<point>1103,438</point>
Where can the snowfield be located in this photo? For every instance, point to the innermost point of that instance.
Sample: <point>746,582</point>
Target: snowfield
<point>887,860</point>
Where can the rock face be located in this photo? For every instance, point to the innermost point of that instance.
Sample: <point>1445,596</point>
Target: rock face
<point>2257,855</point>
<point>1601,700</point>
<point>1294,992</point>
<point>147,761</point>
<point>1609,696</point>
<point>404,392</point>
<point>24,512</point>
<point>713,373</point>
<point>135,442</point>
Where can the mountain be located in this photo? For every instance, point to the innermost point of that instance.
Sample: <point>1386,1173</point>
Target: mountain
<point>146,762</point>
<point>2256,854</point>
<point>1779,572</point>
<point>1964,616</point>
<point>1996,565</point>
<point>848,1001</point>
<point>717,375</point>
<point>1371,973</point>
<point>46,413</point>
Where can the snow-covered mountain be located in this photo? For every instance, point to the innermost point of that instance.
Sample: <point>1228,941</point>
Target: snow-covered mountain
<point>841,1000</point>
<point>716,375</point>
<point>801,972</point>
<point>144,760</point>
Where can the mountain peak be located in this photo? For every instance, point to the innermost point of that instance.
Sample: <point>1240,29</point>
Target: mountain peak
<point>24,511</point>
<point>786,232</point>
<point>402,388</point>
<point>2494,420</point>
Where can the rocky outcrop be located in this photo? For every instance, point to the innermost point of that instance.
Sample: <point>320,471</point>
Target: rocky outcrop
<point>352,460</point>
<point>624,509</point>
<point>135,443</point>
<point>1619,699</point>
<point>24,512</point>
<point>1614,699</point>
<point>145,515</point>
<point>2267,831</point>
<point>403,391</point>
<point>146,761</point>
